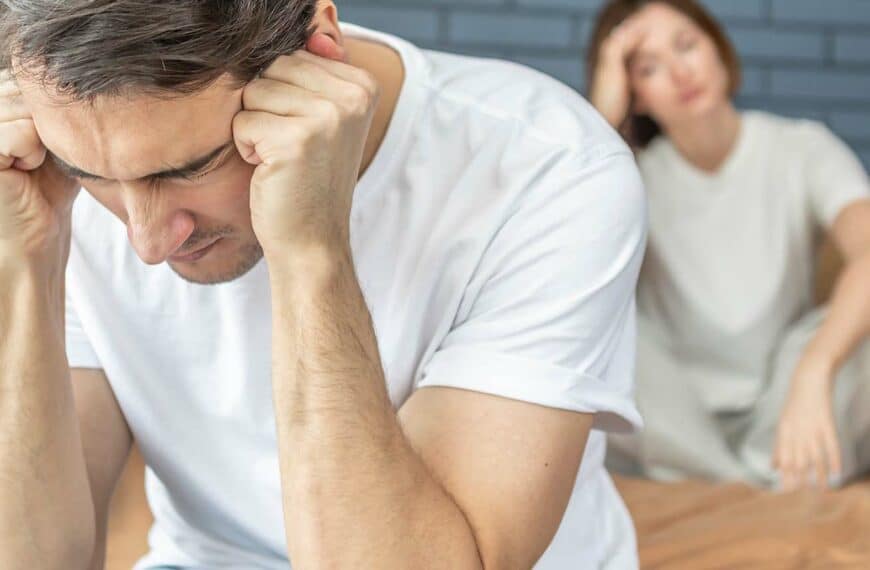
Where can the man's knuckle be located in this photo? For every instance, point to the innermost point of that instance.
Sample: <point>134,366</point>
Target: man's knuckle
<point>19,134</point>
<point>329,110</point>
<point>359,99</point>
<point>304,134</point>
<point>250,95</point>
<point>368,82</point>
<point>259,93</point>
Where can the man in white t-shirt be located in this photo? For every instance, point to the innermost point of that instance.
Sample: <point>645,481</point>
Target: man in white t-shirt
<point>360,306</point>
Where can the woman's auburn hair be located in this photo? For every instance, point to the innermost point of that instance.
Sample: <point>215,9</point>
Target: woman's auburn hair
<point>640,130</point>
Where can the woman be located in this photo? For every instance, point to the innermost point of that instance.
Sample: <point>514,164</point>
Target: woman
<point>739,376</point>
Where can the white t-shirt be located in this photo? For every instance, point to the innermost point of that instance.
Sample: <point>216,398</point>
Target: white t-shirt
<point>497,238</point>
<point>731,255</point>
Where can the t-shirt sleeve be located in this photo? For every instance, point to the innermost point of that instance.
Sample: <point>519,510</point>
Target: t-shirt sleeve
<point>549,314</point>
<point>835,175</point>
<point>79,352</point>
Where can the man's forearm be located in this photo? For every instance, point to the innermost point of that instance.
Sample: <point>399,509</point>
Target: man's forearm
<point>46,511</point>
<point>355,493</point>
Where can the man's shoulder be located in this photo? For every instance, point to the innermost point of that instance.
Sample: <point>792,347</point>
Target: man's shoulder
<point>550,159</point>
<point>534,104</point>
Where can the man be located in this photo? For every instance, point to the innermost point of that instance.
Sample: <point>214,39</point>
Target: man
<point>419,311</point>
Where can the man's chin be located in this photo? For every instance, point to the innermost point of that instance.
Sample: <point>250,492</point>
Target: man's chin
<point>220,269</point>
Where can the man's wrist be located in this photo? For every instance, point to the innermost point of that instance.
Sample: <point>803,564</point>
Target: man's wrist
<point>18,266</point>
<point>312,264</point>
<point>31,292</point>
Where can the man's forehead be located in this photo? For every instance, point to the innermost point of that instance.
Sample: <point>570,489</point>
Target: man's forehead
<point>129,138</point>
<point>170,168</point>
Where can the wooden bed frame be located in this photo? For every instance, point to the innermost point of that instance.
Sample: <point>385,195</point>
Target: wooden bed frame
<point>690,525</point>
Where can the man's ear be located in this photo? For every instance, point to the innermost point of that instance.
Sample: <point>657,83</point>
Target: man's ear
<point>324,45</point>
<point>326,40</point>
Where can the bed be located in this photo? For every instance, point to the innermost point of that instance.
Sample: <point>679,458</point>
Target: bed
<point>690,525</point>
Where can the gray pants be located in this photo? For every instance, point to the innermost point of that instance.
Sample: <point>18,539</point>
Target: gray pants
<point>683,439</point>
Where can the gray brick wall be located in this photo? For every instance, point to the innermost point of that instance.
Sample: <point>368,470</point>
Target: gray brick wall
<point>805,58</point>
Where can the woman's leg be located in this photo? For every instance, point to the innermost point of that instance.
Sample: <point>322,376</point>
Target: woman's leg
<point>851,405</point>
<point>681,438</point>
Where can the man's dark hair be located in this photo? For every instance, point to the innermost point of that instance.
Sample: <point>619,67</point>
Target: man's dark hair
<point>88,48</point>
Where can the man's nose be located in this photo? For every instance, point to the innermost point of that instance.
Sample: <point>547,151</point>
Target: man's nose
<point>156,228</point>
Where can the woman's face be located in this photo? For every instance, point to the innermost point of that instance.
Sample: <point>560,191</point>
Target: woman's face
<point>677,74</point>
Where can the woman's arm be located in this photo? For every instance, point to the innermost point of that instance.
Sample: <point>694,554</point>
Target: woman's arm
<point>848,320</point>
<point>807,445</point>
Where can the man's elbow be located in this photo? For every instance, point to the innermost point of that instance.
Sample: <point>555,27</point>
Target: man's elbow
<point>72,549</point>
<point>509,554</point>
<point>505,561</point>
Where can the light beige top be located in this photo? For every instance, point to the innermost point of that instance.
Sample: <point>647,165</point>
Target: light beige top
<point>731,254</point>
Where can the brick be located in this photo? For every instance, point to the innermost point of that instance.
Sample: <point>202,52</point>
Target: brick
<point>822,11</point>
<point>753,81</point>
<point>584,32</point>
<point>748,9</point>
<point>509,29</point>
<point>409,23</point>
<point>742,9</point>
<point>773,45</point>
<point>852,48</point>
<point>571,5</point>
<point>478,51</point>
<point>426,3</point>
<point>821,84</point>
<point>852,124</point>
<point>568,70</point>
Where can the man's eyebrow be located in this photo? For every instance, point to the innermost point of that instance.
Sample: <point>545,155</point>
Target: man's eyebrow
<point>192,168</point>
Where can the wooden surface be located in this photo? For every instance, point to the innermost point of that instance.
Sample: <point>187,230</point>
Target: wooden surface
<point>700,525</point>
<point>690,525</point>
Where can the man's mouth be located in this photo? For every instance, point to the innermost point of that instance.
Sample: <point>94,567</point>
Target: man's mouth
<point>194,255</point>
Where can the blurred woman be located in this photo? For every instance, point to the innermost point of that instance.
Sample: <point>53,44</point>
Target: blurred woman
<point>739,375</point>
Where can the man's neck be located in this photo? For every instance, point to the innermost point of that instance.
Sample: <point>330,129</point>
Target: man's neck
<point>385,65</point>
